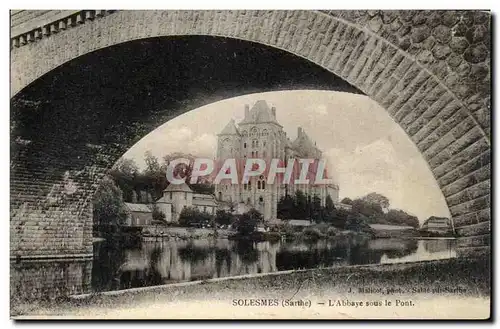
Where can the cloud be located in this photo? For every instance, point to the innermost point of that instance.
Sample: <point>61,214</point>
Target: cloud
<point>376,167</point>
<point>174,139</point>
<point>366,150</point>
<point>320,109</point>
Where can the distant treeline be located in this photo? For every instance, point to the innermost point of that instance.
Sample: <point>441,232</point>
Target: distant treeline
<point>147,185</point>
<point>371,209</point>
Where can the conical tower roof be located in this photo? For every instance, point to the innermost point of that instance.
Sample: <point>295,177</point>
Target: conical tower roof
<point>260,112</point>
<point>230,129</point>
<point>178,188</point>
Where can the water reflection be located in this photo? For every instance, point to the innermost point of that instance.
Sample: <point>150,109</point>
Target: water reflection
<point>154,263</point>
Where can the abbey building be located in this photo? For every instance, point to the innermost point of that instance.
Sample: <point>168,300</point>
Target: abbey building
<point>259,135</point>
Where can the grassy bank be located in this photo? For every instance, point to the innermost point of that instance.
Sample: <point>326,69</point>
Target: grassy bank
<point>472,276</point>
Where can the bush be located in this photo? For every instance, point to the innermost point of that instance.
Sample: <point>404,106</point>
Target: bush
<point>332,231</point>
<point>247,222</point>
<point>272,236</point>
<point>191,216</point>
<point>311,234</point>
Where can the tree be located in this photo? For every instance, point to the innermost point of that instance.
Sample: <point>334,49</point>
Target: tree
<point>376,198</point>
<point>346,201</point>
<point>191,216</point>
<point>153,177</point>
<point>152,164</point>
<point>223,217</point>
<point>400,217</point>
<point>158,216</point>
<point>286,207</point>
<point>108,206</point>
<point>255,214</point>
<point>373,211</point>
<point>247,223</point>
<point>329,205</point>
<point>127,167</point>
<point>316,209</point>
<point>301,204</point>
<point>357,223</point>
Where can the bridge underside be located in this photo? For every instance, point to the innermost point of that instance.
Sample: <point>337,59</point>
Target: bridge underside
<point>70,126</point>
<point>73,117</point>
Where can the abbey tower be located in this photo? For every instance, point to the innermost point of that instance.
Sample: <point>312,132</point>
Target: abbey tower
<point>259,135</point>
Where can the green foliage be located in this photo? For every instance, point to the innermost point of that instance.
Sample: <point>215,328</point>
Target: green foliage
<point>373,211</point>
<point>346,201</point>
<point>247,223</point>
<point>329,203</point>
<point>153,178</point>
<point>301,206</point>
<point>378,199</point>
<point>223,217</point>
<point>311,234</point>
<point>357,223</point>
<point>332,231</point>
<point>108,206</point>
<point>316,210</point>
<point>286,207</point>
<point>158,216</point>
<point>399,217</point>
<point>191,216</point>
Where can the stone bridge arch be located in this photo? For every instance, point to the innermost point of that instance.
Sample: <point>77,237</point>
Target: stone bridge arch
<point>429,70</point>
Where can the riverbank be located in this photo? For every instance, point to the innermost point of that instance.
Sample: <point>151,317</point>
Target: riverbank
<point>154,233</point>
<point>454,288</point>
<point>312,233</point>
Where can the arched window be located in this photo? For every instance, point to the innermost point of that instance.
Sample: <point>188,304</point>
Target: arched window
<point>263,184</point>
<point>265,132</point>
<point>256,154</point>
<point>245,145</point>
<point>254,132</point>
<point>245,133</point>
<point>258,185</point>
<point>256,143</point>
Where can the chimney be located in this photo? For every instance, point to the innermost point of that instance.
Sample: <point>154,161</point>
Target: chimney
<point>247,110</point>
<point>273,111</point>
<point>299,131</point>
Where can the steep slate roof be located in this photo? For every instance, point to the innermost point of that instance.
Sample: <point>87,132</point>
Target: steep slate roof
<point>230,129</point>
<point>302,140</point>
<point>299,222</point>
<point>204,200</point>
<point>138,207</point>
<point>178,188</point>
<point>260,112</point>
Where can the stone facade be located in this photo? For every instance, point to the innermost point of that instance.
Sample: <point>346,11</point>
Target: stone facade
<point>41,280</point>
<point>177,197</point>
<point>260,136</point>
<point>430,70</point>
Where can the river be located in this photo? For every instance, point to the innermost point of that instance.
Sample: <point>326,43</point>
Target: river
<point>115,267</point>
<point>172,261</point>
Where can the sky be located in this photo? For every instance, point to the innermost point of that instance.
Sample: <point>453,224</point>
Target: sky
<point>366,151</point>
